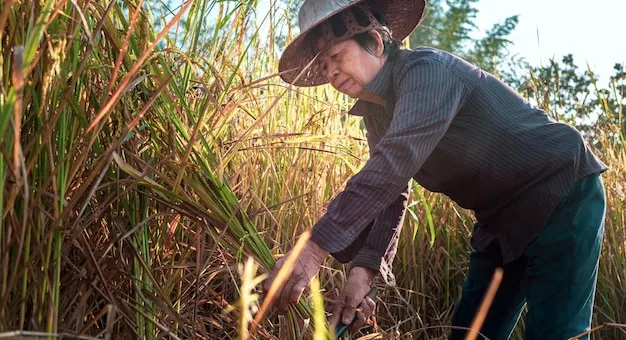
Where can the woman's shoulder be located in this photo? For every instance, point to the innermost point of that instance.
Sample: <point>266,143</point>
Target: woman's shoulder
<point>424,54</point>
<point>416,60</point>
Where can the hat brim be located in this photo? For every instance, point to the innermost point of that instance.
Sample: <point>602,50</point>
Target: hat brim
<point>402,17</point>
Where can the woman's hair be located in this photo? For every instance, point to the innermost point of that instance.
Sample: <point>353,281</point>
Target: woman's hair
<point>364,39</point>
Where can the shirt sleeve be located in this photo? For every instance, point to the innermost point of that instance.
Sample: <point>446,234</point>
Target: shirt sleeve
<point>428,97</point>
<point>379,249</point>
<point>381,245</point>
<point>376,246</point>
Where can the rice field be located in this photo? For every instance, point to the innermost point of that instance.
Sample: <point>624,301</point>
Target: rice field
<point>153,167</point>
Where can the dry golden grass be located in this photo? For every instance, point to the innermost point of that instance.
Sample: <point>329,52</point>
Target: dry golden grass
<point>140,168</point>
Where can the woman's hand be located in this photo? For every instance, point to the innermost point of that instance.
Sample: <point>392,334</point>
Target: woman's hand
<point>307,264</point>
<point>353,301</point>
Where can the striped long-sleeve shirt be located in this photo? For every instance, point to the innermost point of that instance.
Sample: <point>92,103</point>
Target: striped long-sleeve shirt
<point>457,130</point>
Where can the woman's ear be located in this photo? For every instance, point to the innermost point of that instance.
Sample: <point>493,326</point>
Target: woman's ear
<point>379,49</point>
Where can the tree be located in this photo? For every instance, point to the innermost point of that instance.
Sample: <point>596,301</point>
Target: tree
<point>446,28</point>
<point>573,95</point>
<point>449,26</point>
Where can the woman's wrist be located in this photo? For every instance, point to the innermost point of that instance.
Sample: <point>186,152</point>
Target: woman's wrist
<point>367,274</point>
<point>316,251</point>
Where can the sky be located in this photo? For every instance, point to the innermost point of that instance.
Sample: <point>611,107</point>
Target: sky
<point>593,31</point>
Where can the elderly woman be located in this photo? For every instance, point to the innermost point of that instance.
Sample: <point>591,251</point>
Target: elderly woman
<point>532,183</point>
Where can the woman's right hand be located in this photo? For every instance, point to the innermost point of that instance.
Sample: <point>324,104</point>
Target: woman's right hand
<point>305,268</point>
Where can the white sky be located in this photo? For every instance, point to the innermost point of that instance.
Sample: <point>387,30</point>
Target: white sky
<point>593,31</point>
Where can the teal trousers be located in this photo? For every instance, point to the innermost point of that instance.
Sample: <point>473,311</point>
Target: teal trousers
<point>555,278</point>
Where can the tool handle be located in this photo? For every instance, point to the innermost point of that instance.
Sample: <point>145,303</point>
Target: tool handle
<point>342,328</point>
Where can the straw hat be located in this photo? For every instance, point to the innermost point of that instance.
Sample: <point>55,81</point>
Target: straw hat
<point>402,16</point>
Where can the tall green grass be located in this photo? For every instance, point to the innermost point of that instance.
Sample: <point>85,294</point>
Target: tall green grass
<point>141,168</point>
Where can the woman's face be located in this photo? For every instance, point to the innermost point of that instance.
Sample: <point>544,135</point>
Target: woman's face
<point>349,67</point>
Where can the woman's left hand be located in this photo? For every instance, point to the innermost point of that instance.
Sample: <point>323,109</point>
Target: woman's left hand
<point>306,266</point>
<point>353,304</point>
